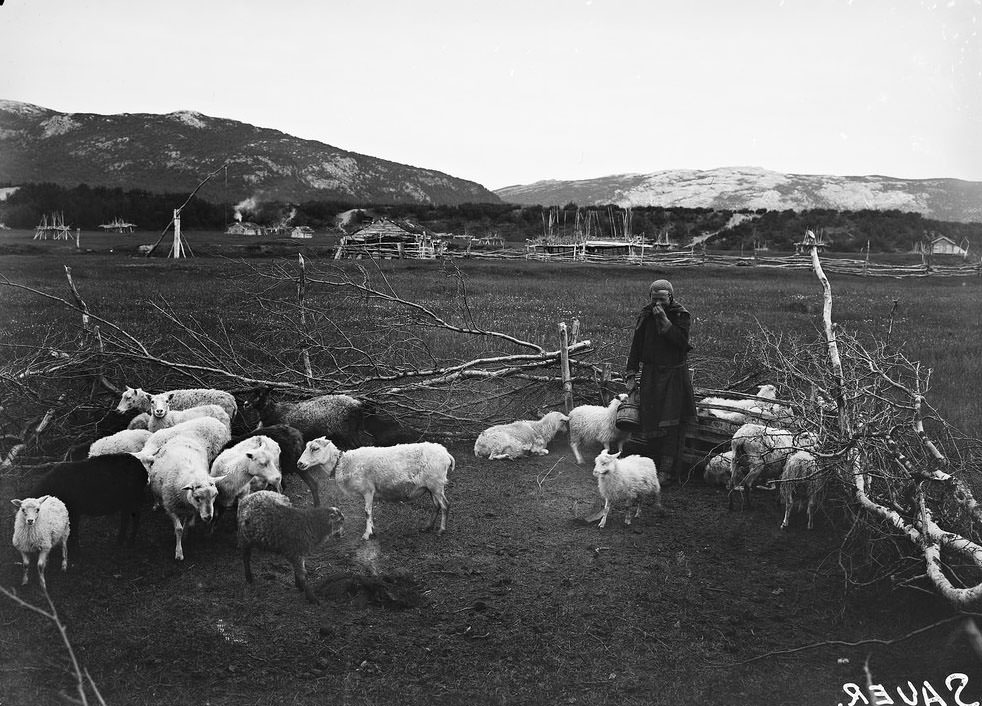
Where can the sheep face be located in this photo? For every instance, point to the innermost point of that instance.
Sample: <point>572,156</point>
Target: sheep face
<point>160,405</point>
<point>768,391</point>
<point>320,452</point>
<point>263,467</point>
<point>202,496</point>
<point>132,399</point>
<point>29,508</point>
<point>605,463</point>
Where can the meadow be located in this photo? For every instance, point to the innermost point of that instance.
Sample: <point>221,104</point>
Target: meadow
<point>520,601</point>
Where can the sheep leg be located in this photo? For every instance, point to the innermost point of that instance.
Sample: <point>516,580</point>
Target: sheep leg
<point>26,559</point>
<point>247,563</point>
<point>576,451</point>
<point>178,534</point>
<point>787,513</point>
<point>64,554</point>
<point>312,484</point>
<point>300,579</point>
<point>369,526</point>
<point>440,508</point>
<point>603,516</point>
<point>811,513</point>
<point>42,565</point>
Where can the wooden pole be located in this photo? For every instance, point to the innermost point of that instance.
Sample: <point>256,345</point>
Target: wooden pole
<point>564,365</point>
<point>301,294</point>
<point>866,263</point>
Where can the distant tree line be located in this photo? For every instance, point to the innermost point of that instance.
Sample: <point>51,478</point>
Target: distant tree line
<point>846,231</point>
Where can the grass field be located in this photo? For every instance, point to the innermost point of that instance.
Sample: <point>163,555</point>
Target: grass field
<point>520,602</point>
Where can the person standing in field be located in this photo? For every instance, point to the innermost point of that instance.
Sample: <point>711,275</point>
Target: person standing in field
<point>659,350</point>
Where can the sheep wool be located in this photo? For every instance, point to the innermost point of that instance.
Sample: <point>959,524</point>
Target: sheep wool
<point>266,520</point>
<point>256,457</point>
<point>521,438</point>
<point>179,399</point>
<point>163,417</point>
<point>338,417</point>
<point>593,424</point>
<point>762,452</point>
<point>125,441</point>
<point>40,525</point>
<point>630,479</point>
<point>802,486</point>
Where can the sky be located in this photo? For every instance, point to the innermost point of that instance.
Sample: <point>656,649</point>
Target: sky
<point>516,91</point>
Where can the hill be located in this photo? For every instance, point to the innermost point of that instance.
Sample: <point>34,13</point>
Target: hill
<point>743,188</point>
<point>174,152</point>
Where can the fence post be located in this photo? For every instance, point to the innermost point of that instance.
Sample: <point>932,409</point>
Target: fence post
<point>301,293</point>
<point>564,366</point>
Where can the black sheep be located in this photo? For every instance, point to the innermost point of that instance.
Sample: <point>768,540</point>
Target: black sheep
<point>99,486</point>
<point>338,417</point>
<point>291,448</point>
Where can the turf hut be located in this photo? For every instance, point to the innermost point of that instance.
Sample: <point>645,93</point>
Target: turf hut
<point>390,239</point>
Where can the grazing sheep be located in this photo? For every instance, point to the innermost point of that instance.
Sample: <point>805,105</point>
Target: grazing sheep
<point>756,406</point>
<point>257,457</point>
<point>102,485</point>
<point>401,472</point>
<point>291,446</point>
<point>213,433</point>
<point>521,438</point>
<point>762,451</point>
<point>40,525</point>
<point>163,417</point>
<point>338,417</point>
<point>718,469</point>
<point>179,399</point>
<point>802,486</point>
<point>266,520</point>
<point>125,441</point>
<point>593,424</point>
<point>181,484</point>
<point>630,479</point>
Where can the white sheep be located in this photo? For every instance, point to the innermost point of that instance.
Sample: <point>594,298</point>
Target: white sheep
<point>802,486</point>
<point>179,399</point>
<point>125,441</point>
<point>181,484</point>
<point>521,438</point>
<point>266,520</point>
<point>140,421</point>
<point>593,424</point>
<point>630,479</point>
<point>761,452</point>
<point>163,417</point>
<point>718,469</point>
<point>213,433</point>
<point>400,472</point>
<point>756,406</point>
<point>40,525</point>
<point>257,457</point>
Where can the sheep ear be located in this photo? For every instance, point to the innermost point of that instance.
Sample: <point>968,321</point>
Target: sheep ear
<point>16,502</point>
<point>616,455</point>
<point>218,478</point>
<point>43,498</point>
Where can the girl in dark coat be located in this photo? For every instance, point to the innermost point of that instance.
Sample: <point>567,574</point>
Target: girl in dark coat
<point>660,349</point>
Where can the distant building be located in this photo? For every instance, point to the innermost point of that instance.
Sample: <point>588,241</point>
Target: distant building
<point>245,228</point>
<point>385,238</point>
<point>118,225</point>
<point>941,245</point>
<point>302,232</point>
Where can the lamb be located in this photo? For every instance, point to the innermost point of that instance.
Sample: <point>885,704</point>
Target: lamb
<point>802,486</point>
<point>266,520</point>
<point>257,457</point>
<point>400,472</point>
<point>125,441</point>
<point>40,525</point>
<point>631,479</point>
<point>759,408</point>
<point>101,485</point>
<point>593,424</point>
<point>180,482</point>
<point>162,416</point>
<point>291,446</point>
<point>179,399</point>
<point>718,469</point>
<point>763,451</point>
<point>521,438</point>
<point>213,433</point>
<point>338,417</point>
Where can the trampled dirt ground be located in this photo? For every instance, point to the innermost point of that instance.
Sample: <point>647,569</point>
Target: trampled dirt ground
<point>520,602</point>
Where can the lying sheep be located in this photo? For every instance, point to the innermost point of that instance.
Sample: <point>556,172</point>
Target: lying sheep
<point>758,407</point>
<point>291,444</point>
<point>401,472</point>
<point>255,458</point>
<point>338,417</point>
<point>802,486</point>
<point>179,399</point>
<point>762,452</point>
<point>718,469</point>
<point>630,479</point>
<point>181,484</point>
<point>267,521</point>
<point>40,525</point>
<point>213,433</point>
<point>125,441</point>
<point>593,424</point>
<point>101,485</point>
<point>521,438</point>
<point>163,417</point>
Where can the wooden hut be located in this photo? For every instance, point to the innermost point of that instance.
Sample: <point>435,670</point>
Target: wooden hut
<point>389,239</point>
<point>245,228</point>
<point>941,245</point>
<point>302,232</point>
